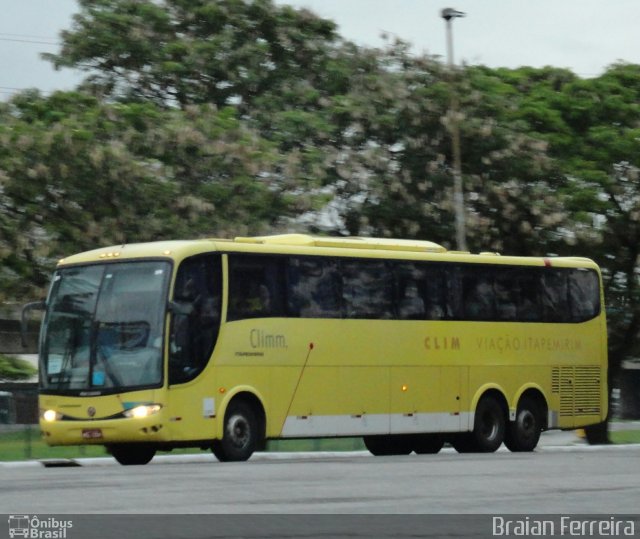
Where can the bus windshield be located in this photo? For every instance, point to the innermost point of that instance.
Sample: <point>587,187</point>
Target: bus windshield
<point>104,327</point>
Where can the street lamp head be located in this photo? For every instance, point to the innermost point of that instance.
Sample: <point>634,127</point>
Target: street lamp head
<point>449,13</point>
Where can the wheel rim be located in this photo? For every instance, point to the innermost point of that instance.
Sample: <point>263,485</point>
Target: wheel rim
<point>527,424</point>
<point>239,431</point>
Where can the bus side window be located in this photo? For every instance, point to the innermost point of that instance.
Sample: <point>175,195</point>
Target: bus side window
<point>454,297</point>
<point>256,287</point>
<point>436,292</point>
<point>478,294</point>
<point>527,285</point>
<point>367,289</point>
<point>584,291</point>
<point>517,295</point>
<point>410,285</point>
<point>506,287</point>
<point>555,295</point>
<point>198,289</point>
<point>313,288</point>
<point>422,291</point>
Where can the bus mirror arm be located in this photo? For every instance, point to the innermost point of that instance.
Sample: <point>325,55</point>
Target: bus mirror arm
<point>24,322</point>
<point>180,307</point>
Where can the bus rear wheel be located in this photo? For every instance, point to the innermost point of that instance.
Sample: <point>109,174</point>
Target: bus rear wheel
<point>382,446</point>
<point>523,434</point>
<point>241,433</point>
<point>488,429</point>
<point>132,454</point>
<point>489,425</point>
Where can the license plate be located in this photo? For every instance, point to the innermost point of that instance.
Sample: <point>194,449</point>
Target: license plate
<point>91,434</point>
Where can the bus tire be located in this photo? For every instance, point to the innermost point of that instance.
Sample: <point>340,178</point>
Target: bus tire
<point>382,446</point>
<point>428,444</point>
<point>132,454</point>
<point>523,434</point>
<point>488,429</point>
<point>241,434</point>
<point>489,425</point>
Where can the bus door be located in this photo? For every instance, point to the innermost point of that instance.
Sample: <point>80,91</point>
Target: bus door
<point>195,323</point>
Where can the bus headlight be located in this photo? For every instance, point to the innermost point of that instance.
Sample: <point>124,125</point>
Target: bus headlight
<point>50,415</point>
<point>144,410</point>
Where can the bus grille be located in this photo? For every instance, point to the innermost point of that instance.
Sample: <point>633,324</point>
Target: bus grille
<point>579,389</point>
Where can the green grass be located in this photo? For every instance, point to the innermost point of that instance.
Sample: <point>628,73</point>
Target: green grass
<point>317,444</point>
<point>27,444</point>
<point>625,437</point>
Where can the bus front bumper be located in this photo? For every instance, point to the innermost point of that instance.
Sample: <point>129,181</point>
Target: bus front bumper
<point>104,431</point>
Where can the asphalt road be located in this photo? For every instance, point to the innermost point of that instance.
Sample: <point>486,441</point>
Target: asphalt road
<point>552,480</point>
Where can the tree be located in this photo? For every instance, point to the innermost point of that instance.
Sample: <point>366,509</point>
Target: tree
<point>69,182</point>
<point>389,166</point>
<point>195,51</point>
<point>591,128</point>
<point>77,173</point>
<point>235,115</point>
<point>13,369</point>
<point>605,172</point>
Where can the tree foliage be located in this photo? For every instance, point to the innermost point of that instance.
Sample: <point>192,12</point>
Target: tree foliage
<point>76,172</point>
<point>196,51</point>
<point>13,369</point>
<point>205,117</point>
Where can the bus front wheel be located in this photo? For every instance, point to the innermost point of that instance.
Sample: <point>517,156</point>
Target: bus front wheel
<point>523,434</point>
<point>241,433</point>
<point>132,454</point>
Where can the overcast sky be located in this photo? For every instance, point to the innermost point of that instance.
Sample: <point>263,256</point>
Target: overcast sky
<point>582,35</point>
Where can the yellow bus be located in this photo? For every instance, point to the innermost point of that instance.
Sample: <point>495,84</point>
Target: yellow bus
<point>225,344</point>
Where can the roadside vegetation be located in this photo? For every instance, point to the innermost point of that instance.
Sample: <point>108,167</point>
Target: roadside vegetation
<point>26,444</point>
<point>13,369</point>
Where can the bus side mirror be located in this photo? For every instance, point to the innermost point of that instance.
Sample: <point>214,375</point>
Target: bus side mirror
<point>33,306</point>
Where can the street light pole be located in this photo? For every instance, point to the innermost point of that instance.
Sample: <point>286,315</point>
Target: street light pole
<point>448,14</point>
